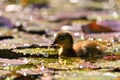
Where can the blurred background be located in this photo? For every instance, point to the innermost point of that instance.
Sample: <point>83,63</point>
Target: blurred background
<point>78,16</point>
<point>27,29</point>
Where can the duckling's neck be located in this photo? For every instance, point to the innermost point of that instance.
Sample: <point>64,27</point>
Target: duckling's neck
<point>67,52</point>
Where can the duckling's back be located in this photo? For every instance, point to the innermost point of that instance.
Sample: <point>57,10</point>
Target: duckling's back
<point>88,48</point>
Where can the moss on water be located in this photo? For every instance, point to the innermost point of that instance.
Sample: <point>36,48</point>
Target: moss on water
<point>45,52</point>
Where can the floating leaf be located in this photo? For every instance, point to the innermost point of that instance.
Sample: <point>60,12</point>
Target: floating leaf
<point>37,51</point>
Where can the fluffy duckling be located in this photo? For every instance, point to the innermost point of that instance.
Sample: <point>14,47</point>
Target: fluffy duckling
<point>82,48</point>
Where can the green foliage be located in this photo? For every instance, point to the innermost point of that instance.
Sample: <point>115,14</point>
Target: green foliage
<point>49,51</point>
<point>15,68</point>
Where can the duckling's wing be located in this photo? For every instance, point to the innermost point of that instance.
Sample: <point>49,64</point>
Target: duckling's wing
<point>86,47</point>
<point>79,48</point>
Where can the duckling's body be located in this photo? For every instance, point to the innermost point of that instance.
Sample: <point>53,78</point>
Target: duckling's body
<point>83,48</point>
<point>88,49</point>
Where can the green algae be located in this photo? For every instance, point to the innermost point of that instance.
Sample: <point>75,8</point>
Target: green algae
<point>37,51</point>
<point>114,50</point>
<point>16,67</point>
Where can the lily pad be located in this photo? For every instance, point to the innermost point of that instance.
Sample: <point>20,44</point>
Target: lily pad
<point>114,49</point>
<point>15,68</point>
<point>46,52</point>
<point>4,72</point>
<point>105,64</point>
<point>86,75</point>
<point>60,64</point>
<point>8,62</point>
<point>12,43</point>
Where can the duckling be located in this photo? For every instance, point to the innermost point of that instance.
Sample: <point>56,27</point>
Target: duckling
<point>87,48</point>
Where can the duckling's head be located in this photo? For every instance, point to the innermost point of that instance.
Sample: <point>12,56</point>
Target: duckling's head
<point>65,40</point>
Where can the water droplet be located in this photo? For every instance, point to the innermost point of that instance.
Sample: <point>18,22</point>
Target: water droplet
<point>99,39</point>
<point>91,39</point>
<point>115,14</point>
<point>24,73</point>
<point>24,53</point>
<point>46,55</point>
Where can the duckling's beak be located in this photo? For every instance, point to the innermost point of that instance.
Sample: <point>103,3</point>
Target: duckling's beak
<point>54,43</point>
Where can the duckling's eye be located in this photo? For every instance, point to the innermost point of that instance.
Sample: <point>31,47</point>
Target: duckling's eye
<point>61,37</point>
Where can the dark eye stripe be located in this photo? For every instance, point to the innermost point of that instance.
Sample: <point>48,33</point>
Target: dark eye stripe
<point>61,37</point>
